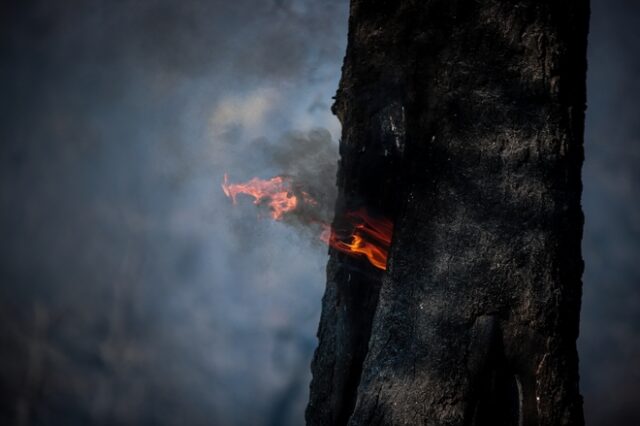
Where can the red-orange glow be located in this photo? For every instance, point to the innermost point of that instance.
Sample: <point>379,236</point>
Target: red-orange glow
<point>370,237</point>
<point>274,192</point>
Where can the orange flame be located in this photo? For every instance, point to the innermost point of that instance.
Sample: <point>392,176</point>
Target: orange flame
<point>369,237</point>
<point>275,192</point>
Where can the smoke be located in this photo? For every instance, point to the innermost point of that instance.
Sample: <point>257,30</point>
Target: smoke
<point>132,292</point>
<point>610,326</point>
<point>307,161</point>
<point>311,160</point>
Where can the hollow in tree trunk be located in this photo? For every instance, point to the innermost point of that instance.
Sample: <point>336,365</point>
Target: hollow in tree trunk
<point>463,123</point>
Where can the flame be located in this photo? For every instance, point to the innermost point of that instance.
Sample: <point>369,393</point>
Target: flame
<point>275,192</point>
<point>369,237</point>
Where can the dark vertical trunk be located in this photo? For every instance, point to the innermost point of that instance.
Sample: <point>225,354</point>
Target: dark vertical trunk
<point>463,122</point>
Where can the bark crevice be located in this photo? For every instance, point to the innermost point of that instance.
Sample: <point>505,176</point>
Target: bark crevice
<point>463,123</point>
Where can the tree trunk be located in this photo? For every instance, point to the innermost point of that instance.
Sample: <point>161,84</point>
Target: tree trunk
<point>463,123</point>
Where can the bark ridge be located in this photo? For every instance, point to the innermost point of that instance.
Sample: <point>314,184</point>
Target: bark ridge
<point>463,121</point>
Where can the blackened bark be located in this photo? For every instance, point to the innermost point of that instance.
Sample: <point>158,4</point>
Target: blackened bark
<point>463,122</point>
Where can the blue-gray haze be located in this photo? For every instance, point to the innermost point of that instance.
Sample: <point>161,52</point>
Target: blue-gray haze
<point>133,292</point>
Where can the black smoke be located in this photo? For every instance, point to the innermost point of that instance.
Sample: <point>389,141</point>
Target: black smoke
<point>133,292</point>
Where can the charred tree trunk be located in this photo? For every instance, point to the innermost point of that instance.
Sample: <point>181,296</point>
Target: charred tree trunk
<point>463,122</point>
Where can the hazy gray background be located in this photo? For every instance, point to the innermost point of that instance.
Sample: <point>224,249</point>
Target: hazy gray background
<point>132,292</point>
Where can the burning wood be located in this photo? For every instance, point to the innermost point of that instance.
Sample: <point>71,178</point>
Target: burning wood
<point>369,237</point>
<point>366,236</point>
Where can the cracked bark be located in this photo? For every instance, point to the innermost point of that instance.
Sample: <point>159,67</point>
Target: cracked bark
<point>463,121</point>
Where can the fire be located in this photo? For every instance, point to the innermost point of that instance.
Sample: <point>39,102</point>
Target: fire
<point>369,237</point>
<point>275,192</point>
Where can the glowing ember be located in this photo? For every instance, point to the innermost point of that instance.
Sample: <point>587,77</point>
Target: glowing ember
<point>369,237</point>
<point>274,192</point>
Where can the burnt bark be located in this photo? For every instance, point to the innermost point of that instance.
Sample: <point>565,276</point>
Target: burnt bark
<point>463,122</point>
